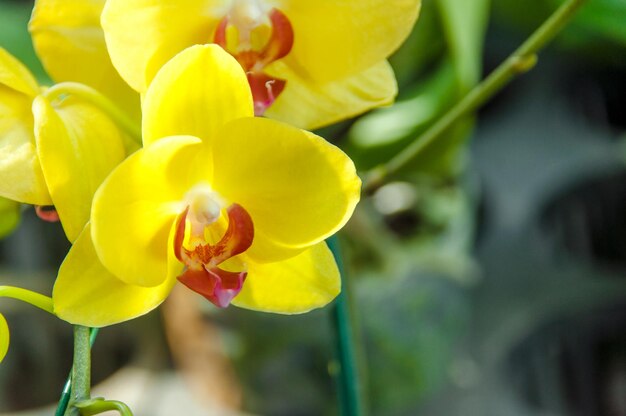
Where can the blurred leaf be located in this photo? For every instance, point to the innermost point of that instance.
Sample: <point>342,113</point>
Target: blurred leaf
<point>415,308</point>
<point>433,229</point>
<point>464,24</point>
<point>9,216</point>
<point>411,326</point>
<point>523,15</point>
<point>598,30</point>
<point>15,38</point>
<point>377,137</point>
<point>426,100</point>
<point>423,48</point>
<point>606,18</point>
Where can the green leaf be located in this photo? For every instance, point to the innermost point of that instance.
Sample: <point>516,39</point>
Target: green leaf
<point>418,109</point>
<point>9,216</point>
<point>464,24</point>
<point>15,38</point>
<point>377,137</point>
<point>606,18</point>
<point>423,48</point>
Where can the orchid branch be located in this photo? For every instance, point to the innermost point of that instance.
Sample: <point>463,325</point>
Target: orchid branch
<point>36,299</point>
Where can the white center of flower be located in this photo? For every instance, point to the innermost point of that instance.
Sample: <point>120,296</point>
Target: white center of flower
<point>246,15</point>
<point>205,207</point>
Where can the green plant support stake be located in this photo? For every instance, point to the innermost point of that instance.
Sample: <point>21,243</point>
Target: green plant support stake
<point>348,377</point>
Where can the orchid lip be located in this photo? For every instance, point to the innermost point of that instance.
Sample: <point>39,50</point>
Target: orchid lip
<point>265,88</point>
<point>202,273</point>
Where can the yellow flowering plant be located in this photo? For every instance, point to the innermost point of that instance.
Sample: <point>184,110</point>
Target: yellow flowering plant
<point>225,193</point>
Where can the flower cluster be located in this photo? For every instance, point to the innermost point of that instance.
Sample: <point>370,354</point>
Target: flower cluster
<point>222,191</point>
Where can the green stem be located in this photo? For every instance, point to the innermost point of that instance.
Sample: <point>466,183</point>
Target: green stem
<point>40,301</point>
<point>348,376</point>
<point>93,96</point>
<point>67,389</point>
<point>520,62</point>
<point>81,371</point>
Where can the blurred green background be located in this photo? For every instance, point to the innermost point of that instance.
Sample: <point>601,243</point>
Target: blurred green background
<point>487,278</point>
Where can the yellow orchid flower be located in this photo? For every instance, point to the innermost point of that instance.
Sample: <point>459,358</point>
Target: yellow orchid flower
<point>234,206</point>
<point>69,41</point>
<point>53,151</point>
<point>310,63</point>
